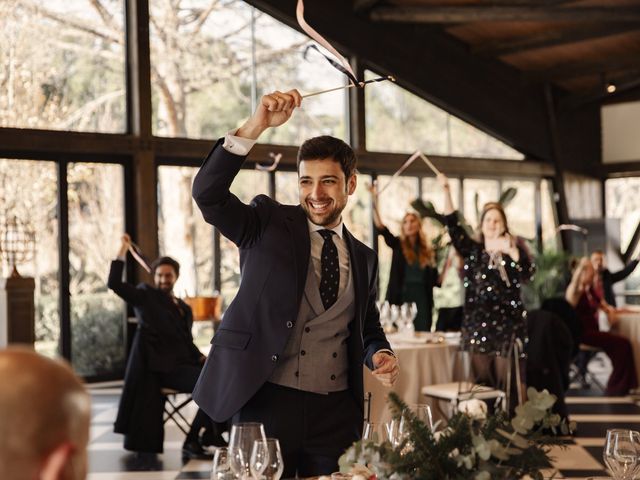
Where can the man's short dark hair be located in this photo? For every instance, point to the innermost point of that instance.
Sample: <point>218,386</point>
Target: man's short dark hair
<point>325,146</point>
<point>166,261</point>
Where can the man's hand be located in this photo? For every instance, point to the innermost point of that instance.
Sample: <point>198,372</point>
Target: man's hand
<point>273,110</point>
<point>124,246</point>
<point>386,368</point>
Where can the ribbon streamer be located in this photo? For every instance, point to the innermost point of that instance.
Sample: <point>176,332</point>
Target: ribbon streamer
<point>270,168</point>
<point>345,67</point>
<point>136,253</point>
<point>405,165</point>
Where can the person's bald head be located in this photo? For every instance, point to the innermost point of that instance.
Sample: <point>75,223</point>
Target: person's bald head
<point>44,418</point>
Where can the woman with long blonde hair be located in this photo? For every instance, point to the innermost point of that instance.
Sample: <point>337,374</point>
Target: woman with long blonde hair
<point>413,268</point>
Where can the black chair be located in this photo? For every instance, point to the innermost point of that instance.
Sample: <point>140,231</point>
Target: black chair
<point>173,406</point>
<point>449,319</point>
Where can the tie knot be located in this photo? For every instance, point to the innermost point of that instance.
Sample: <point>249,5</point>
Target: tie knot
<point>326,234</point>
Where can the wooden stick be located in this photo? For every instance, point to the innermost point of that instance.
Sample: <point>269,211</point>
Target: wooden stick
<point>351,85</point>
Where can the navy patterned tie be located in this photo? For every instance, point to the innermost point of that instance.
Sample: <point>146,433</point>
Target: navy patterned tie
<point>330,266</point>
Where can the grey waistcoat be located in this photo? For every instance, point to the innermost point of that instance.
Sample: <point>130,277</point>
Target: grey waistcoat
<point>315,358</point>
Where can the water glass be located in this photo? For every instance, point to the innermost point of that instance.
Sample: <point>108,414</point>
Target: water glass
<point>396,431</point>
<point>621,453</point>
<point>266,460</point>
<point>241,440</point>
<point>221,469</point>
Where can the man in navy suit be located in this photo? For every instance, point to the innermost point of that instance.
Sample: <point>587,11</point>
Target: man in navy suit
<point>290,350</point>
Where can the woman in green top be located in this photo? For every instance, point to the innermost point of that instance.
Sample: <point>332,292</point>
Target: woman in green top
<point>413,272</point>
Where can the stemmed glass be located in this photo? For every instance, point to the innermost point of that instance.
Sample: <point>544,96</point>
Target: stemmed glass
<point>372,432</point>
<point>266,460</point>
<point>395,316</point>
<point>385,317</point>
<point>221,470</point>
<point>241,440</point>
<point>621,453</point>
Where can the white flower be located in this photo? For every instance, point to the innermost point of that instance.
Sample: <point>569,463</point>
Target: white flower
<point>474,409</point>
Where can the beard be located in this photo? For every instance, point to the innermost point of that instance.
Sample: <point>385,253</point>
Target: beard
<point>323,219</point>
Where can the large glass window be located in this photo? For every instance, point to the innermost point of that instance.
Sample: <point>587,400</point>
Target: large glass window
<point>398,121</point>
<point>521,211</point>
<point>28,191</point>
<point>182,232</point>
<point>211,60</point>
<point>247,184</point>
<point>623,202</point>
<point>62,65</point>
<point>549,217</point>
<point>477,192</point>
<point>96,224</point>
<point>393,203</point>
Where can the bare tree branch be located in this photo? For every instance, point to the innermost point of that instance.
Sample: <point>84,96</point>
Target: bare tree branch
<point>107,18</point>
<point>75,23</point>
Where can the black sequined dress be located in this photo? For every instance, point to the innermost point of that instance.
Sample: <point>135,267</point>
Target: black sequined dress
<point>493,311</point>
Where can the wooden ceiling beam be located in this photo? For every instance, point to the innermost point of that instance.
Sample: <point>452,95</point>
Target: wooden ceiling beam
<point>551,39</point>
<point>364,6</point>
<point>623,85</point>
<point>581,68</point>
<point>499,13</point>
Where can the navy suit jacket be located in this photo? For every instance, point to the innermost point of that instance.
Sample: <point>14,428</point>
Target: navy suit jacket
<point>274,257</point>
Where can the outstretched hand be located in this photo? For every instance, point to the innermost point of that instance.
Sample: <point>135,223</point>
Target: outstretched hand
<point>274,109</point>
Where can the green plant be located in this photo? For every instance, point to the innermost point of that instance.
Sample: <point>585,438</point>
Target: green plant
<point>552,273</point>
<point>472,445</point>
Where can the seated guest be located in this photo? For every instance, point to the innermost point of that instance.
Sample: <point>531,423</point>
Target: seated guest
<point>563,309</point>
<point>549,354</point>
<point>163,355</point>
<point>604,279</point>
<point>44,418</point>
<point>582,295</point>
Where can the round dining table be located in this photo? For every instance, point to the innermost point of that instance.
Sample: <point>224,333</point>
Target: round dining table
<point>423,360</point>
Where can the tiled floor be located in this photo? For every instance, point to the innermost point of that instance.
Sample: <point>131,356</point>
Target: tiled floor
<point>581,458</point>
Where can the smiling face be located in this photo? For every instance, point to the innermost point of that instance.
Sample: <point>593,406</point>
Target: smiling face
<point>410,225</point>
<point>323,190</point>
<point>493,225</point>
<point>165,277</point>
<point>597,260</point>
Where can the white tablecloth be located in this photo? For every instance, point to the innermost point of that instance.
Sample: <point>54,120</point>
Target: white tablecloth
<point>420,365</point>
<point>629,327</point>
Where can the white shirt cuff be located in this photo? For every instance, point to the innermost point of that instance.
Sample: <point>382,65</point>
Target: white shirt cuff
<point>237,145</point>
<point>386,350</point>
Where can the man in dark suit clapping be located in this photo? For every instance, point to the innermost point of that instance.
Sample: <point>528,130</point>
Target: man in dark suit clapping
<point>290,350</point>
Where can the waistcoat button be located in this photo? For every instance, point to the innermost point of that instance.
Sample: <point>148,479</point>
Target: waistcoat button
<point>289,324</point>
<point>274,358</point>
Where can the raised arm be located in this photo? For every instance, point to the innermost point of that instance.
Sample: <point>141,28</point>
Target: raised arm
<point>625,272</point>
<point>575,288</point>
<point>124,290</point>
<point>448,201</point>
<point>377,220</point>
<point>240,223</point>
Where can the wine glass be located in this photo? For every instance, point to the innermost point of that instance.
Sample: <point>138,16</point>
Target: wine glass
<point>372,432</point>
<point>395,316</point>
<point>266,460</point>
<point>221,470</point>
<point>396,431</point>
<point>621,453</point>
<point>241,440</point>
<point>422,411</point>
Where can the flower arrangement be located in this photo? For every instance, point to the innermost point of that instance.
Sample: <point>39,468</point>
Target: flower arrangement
<point>472,445</point>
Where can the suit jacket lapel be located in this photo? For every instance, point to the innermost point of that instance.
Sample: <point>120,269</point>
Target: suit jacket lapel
<point>359,273</point>
<point>296,221</point>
